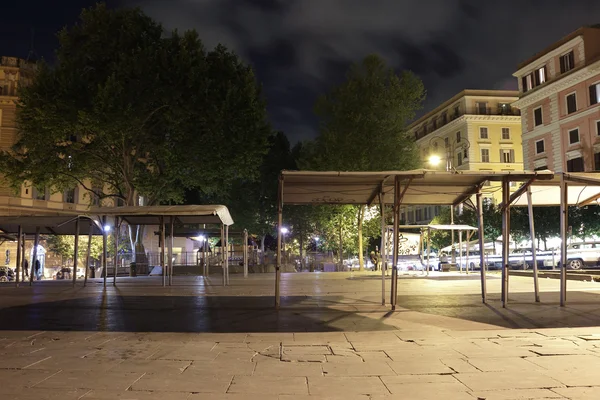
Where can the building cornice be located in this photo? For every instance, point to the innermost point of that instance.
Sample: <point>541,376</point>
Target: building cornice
<point>558,85</point>
<point>549,54</point>
<point>492,118</point>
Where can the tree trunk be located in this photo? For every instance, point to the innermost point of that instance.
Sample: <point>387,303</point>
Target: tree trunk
<point>361,216</point>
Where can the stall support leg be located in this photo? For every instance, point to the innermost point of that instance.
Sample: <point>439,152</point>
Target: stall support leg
<point>24,270</point>
<point>394,296</point>
<point>104,250</point>
<point>279,234</point>
<point>116,257</point>
<point>163,242</point>
<point>564,223</point>
<point>170,252</point>
<point>245,253</point>
<point>18,265</point>
<point>36,243</point>
<point>536,286</point>
<point>76,252</point>
<point>383,245</point>
<point>428,249</point>
<point>88,255</point>
<point>482,263</point>
<point>505,239</point>
<point>227,254</point>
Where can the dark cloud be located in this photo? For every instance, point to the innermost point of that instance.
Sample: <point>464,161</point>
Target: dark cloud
<point>300,48</point>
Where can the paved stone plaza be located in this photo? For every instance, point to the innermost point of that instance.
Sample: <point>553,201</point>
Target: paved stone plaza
<point>331,340</point>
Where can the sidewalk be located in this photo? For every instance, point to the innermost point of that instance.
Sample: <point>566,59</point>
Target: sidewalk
<point>316,348</point>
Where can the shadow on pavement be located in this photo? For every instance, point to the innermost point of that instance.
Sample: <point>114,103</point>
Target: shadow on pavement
<point>109,312</point>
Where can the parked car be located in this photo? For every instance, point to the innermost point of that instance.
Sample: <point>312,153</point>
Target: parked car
<point>582,254</point>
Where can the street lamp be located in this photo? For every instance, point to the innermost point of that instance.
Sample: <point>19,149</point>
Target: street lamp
<point>435,160</point>
<point>283,231</point>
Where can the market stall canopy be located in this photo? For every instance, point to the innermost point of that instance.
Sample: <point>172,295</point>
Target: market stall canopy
<point>425,187</point>
<point>583,188</point>
<point>436,227</point>
<point>49,224</point>
<point>150,215</point>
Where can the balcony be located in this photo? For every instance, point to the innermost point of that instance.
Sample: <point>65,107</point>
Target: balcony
<point>509,111</point>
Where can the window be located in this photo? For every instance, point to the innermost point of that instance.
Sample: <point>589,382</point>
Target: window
<point>574,136</point>
<point>539,147</point>
<point>40,194</point>
<point>542,168</point>
<point>571,103</point>
<point>456,112</point>
<point>507,156</point>
<point>457,137</point>
<point>426,212</point>
<point>402,217</point>
<point>567,62</point>
<point>596,161</point>
<point>597,127</point>
<point>527,82</point>
<point>483,133</point>
<point>537,117</point>
<point>69,196</point>
<point>485,155</point>
<point>465,155</point>
<point>505,133</point>
<point>575,165</point>
<point>459,159</point>
<point>540,76</point>
<point>595,94</point>
<point>418,213</point>
<point>482,108</point>
<point>447,142</point>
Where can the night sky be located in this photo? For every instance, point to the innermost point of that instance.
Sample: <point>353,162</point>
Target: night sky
<point>299,48</point>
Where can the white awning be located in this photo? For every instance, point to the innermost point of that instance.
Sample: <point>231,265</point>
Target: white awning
<point>150,215</point>
<point>425,187</point>
<point>583,188</point>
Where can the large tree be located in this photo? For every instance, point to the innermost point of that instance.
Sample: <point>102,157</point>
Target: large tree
<point>131,111</point>
<point>363,123</point>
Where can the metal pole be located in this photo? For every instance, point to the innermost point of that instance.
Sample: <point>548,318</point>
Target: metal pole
<point>394,296</point>
<point>104,249</point>
<point>116,257</point>
<point>564,222</point>
<point>383,244</point>
<point>453,256</point>
<point>23,258</point>
<point>279,225</point>
<point>505,239</point>
<point>163,241</point>
<point>536,286</point>
<point>428,249</point>
<point>206,256</point>
<point>89,253</point>
<point>34,256</point>
<point>467,252</point>
<point>245,253</point>
<point>482,263</point>
<point>170,261</point>
<point>227,254</point>
<point>19,244</point>
<point>223,253</point>
<point>460,251</point>
<point>76,251</point>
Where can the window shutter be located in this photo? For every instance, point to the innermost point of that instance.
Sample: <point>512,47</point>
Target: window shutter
<point>501,156</point>
<point>563,67</point>
<point>512,156</point>
<point>524,83</point>
<point>536,77</point>
<point>571,60</point>
<point>593,95</point>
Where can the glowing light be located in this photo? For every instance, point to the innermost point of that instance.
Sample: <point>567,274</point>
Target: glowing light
<point>284,230</point>
<point>107,228</point>
<point>316,238</point>
<point>435,160</point>
<point>199,238</point>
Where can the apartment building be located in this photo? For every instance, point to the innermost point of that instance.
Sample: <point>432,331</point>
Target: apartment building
<point>559,98</point>
<point>476,130</point>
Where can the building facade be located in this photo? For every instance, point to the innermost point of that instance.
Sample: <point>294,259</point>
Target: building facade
<point>559,99</point>
<point>476,130</point>
<point>15,72</point>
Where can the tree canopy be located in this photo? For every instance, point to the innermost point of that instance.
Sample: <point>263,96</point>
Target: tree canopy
<point>132,110</point>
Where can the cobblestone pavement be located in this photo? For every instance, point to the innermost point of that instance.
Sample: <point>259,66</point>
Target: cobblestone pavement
<point>332,340</point>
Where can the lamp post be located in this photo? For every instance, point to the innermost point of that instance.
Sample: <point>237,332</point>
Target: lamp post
<point>458,145</point>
